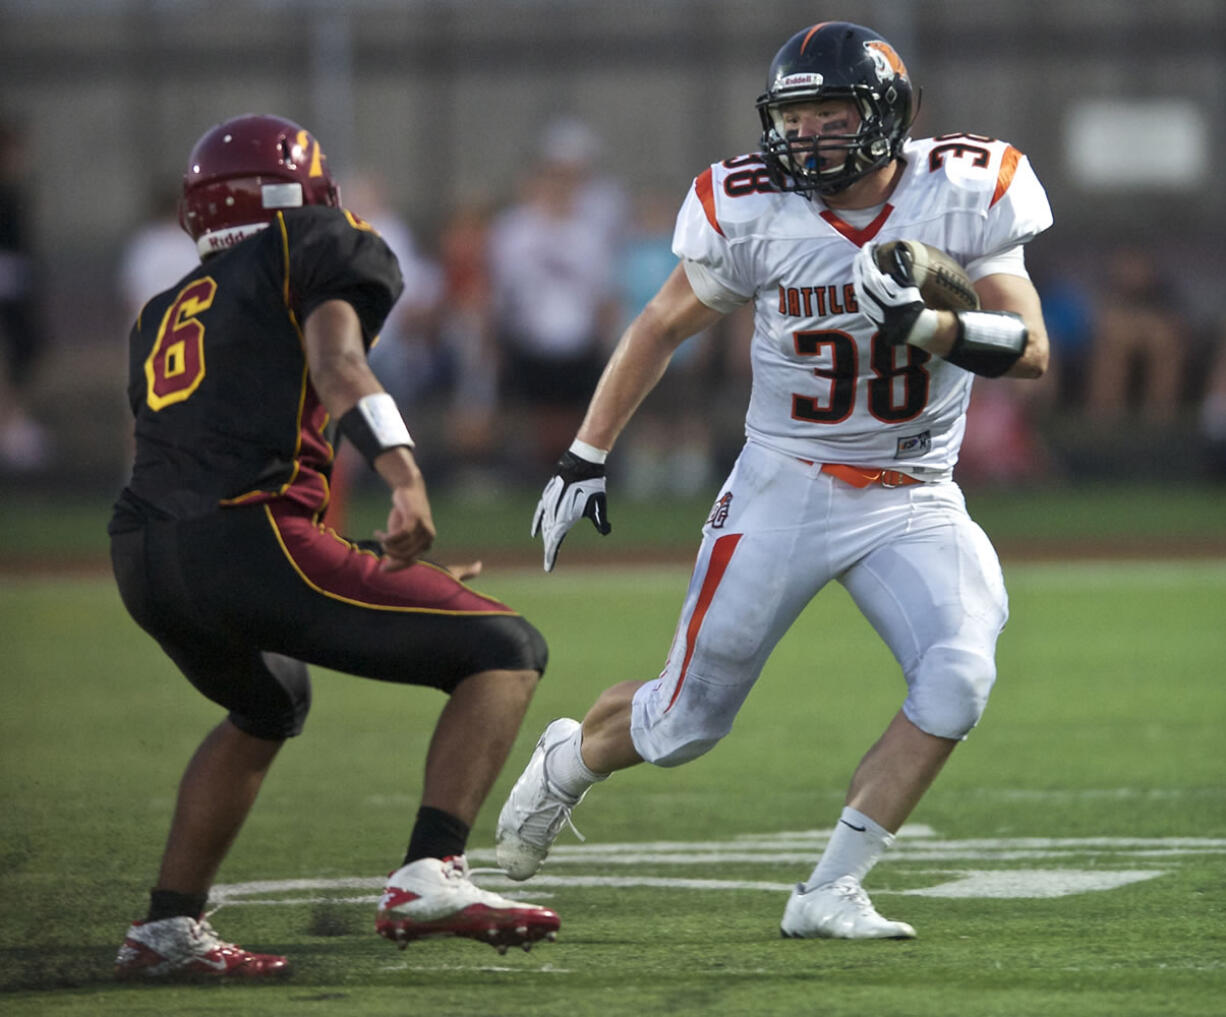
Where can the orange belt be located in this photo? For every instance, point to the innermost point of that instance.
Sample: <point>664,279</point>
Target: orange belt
<point>862,476</point>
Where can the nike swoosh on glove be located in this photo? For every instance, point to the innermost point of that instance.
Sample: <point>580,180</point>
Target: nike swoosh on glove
<point>890,300</point>
<point>575,491</point>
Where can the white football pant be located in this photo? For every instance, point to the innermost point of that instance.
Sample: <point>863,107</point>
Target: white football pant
<point>922,572</point>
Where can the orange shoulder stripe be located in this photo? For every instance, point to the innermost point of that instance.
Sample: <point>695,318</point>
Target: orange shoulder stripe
<point>705,190</point>
<point>1008,166</point>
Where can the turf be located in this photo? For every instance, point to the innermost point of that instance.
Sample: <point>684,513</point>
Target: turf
<point>40,529</point>
<point>1101,755</point>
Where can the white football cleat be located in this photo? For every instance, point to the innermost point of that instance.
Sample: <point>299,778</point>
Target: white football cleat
<point>535,810</point>
<point>187,948</point>
<point>838,910</point>
<point>434,897</point>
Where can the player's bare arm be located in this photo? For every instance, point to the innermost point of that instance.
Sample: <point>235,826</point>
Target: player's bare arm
<point>641,357</point>
<point>577,488</point>
<point>336,358</point>
<point>1002,292</point>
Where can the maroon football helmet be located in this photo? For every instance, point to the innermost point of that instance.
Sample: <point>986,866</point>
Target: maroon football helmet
<point>241,172</point>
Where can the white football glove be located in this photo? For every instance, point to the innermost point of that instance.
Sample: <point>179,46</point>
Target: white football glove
<point>575,490</point>
<point>891,300</point>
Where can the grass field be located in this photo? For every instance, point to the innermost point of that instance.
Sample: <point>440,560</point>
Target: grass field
<point>38,530</point>
<point>1071,860</point>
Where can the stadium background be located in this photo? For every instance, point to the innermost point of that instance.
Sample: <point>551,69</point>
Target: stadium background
<point>1117,104</point>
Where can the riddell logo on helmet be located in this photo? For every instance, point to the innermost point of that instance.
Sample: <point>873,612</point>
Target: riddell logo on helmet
<point>800,81</point>
<point>219,240</point>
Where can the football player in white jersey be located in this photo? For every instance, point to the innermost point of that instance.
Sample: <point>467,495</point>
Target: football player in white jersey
<point>857,411</point>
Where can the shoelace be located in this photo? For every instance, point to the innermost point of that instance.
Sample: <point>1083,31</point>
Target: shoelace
<point>573,829</point>
<point>561,812</point>
<point>557,813</point>
<point>206,936</point>
<point>851,892</point>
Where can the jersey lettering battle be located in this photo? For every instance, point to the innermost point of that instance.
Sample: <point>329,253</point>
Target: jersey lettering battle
<point>825,387</point>
<point>217,380</point>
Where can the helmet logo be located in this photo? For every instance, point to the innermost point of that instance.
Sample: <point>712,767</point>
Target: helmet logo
<point>887,63</point>
<point>799,81</point>
<point>301,143</point>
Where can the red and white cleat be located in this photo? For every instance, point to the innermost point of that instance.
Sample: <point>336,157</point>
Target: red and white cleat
<point>432,897</point>
<point>189,948</point>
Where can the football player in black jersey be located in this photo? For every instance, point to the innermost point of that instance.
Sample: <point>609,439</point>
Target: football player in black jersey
<point>235,375</point>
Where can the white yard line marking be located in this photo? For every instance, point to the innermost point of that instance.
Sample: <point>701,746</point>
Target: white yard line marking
<point>955,879</point>
<point>1010,883</point>
<point>544,969</point>
<point>1032,883</point>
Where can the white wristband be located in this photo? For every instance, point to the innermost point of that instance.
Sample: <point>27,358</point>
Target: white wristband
<point>589,452</point>
<point>924,329</point>
<point>384,420</point>
<point>374,425</point>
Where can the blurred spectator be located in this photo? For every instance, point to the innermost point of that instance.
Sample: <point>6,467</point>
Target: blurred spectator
<point>1213,410</point>
<point>552,259</point>
<point>466,330</point>
<point>568,142</point>
<point>1003,447</point>
<point>1068,311</point>
<point>407,358</point>
<point>1139,350</point>
<point>155,257</point>
<point>24,443</point>
<point>669,443</point>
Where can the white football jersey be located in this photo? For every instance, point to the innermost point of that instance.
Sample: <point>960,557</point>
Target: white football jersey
<point>825,387</point>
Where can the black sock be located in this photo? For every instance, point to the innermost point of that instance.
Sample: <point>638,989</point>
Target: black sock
<point>436,834</point>
<point>168,904</point>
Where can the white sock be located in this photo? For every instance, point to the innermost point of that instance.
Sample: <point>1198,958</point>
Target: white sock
<point>853,849</point>
<point>567,771</point>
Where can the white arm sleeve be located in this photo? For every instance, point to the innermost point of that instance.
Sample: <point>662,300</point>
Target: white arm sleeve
<point>1011,261</point>
<point>1016,216</point>
<point>710,290</point>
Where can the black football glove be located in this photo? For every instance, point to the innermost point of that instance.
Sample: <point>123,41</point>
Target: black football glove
<point>890,300</point>
<point>576,490</point>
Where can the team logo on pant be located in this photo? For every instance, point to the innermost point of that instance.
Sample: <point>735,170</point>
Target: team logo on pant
<point>719,515</point>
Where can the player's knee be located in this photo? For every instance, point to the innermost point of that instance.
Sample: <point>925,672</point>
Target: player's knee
<point>950,691</point>
<point>537,650</point>
<point>503,643</point>
<point>526,649</point>
<point>276,710</point>
<point>672,724</point>
<point>666,744</point>
<point>675,754</point>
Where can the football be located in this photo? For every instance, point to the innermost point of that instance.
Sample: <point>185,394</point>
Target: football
<point>942,282</point>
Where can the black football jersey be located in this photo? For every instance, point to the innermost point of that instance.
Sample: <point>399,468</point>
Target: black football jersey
<point>225,410</point>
